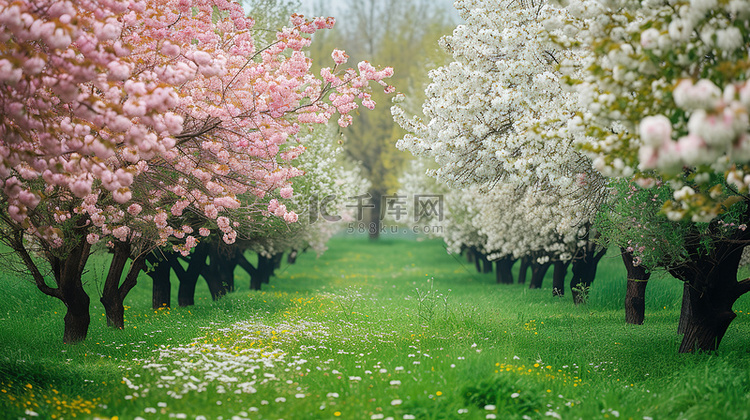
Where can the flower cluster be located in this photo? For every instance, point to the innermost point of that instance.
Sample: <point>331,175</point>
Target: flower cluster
<point>665,89</point>
<point>139,118</point>
<point>498,110</point>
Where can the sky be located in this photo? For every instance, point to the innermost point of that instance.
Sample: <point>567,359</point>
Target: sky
<point>333,7</point>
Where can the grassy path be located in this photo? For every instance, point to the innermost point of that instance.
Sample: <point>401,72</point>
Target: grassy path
<point>394,329</point>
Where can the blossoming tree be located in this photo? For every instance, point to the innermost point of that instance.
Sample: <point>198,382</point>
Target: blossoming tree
<point>667,98</point>
<point>318,198</point>
<point>498,113</point>
<point>122,119</point>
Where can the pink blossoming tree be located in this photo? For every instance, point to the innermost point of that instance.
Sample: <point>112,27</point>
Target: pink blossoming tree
<point>137,124</point>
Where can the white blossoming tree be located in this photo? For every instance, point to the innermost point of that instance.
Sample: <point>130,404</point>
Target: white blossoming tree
<point>667,98</point>
<point>498,114</point>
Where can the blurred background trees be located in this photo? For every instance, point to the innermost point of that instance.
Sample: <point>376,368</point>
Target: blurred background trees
<point>405,35</point>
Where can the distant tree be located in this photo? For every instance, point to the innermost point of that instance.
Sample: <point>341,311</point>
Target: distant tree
<point>405,35</point>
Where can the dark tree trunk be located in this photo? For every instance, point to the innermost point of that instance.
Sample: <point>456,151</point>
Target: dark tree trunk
<point>584,265</point>
<point>469,255</point>
<point>635,294</point>
<point>711,286</point>
<point>685,312</point>
<point>67,274</point>
<point>77,316</point>
<point>219,273</point>
<point>265,269</point>
<point>635,301</point>
<point>114,293</point>
<point>706,314</point>
<point>291,258</point>
<point>503,272</point>
<point>538,271</point>
<point>707,324</point>
<point>477,259</point>
<point>373,227</point>
<point>277,258</point>
<point>578,287</point>
<point>258,274</point>
<point>523,269</point>
<point>188,278</point>
<point>113,305</point>
<point>161,292</point>
<point>559,272</point>
<point>77,301</point>
<point>486,265</point>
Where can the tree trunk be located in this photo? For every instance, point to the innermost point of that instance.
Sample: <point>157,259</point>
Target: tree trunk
<point>523,269</point>
<point>188,278</point>
<point>708,320</point>
<point>373,227</point>
<point>67,274</point>
<point>77,317</point>
<point>113,305</point>
<point>277,258</point>
<point>538,271</point>
<point>711,288</point>
<point>635,294</point>
<point>291,258</point>
<point>486,265</point>
<point>114,293</point>
<point>635,301</point>
<point>265,269</point>
<point>77,301</point>
<point>256,278</point>
<point>706,314</point>
<point>219,273</point>
<point>503,273</point>
<point>477,259</point>
<point>469,255</point>
<point>585,263</point>
<point>558,277</point>
<point>685,312</point>
<point>161,292</point>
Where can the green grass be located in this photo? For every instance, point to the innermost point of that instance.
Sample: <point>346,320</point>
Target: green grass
<point>348,335</point>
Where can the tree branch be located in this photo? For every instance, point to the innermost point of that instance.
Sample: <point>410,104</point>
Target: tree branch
<point>246,265</point>
<point>17,245</point>
<point>131,279</point>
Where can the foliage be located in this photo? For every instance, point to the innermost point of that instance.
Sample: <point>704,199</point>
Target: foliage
<point>319,198</point>
<point>633,221</point>
<point>664,88</point>
<point>495,126</point>
<point>430,302</point>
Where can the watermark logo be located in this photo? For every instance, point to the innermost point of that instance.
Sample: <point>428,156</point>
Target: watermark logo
<point>428,206</point>
<point>420,208</point>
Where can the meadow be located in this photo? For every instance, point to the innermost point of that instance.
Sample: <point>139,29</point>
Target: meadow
<point>393,329</point>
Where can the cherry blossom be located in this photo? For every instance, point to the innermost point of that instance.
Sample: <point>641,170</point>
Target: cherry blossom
<point>123,120</point>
